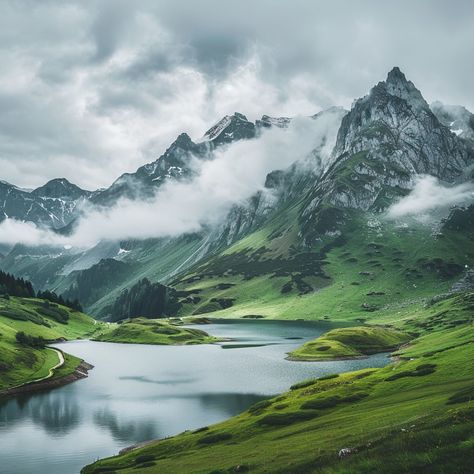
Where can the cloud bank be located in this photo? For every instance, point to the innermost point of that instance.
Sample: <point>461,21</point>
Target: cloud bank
<point>119,80</point>
<point>429,195</point>
<point>231,177</point>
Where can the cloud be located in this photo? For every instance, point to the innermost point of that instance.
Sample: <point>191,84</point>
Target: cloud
<point>118,79</point>
<point>13,232</point>
<point>230,178</point>
<point>429,195</point>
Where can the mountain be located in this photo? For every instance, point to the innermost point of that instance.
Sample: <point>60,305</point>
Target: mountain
<point>457,118</point>
<point>328,248</point>
<point>52,205</point>
<point>316,238</point>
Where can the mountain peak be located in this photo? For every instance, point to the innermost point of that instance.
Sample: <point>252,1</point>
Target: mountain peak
<point>60,188</point>
<point>397,85</point>
<point>396,75</point>
<point>230,128</point>
<point>183,141</point>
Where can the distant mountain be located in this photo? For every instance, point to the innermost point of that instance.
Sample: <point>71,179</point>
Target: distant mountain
<point>457,118</point>
<point>284,245</point>
<point>53,205</point>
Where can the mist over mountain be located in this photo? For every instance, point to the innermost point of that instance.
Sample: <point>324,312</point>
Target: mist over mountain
<point>390,156</point>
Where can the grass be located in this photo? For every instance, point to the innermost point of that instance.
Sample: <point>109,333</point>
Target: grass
<point>379,269</point>
<point>350,343</point>
<point>153,331</point>
<point>414,415</point>
<point>21,364</point>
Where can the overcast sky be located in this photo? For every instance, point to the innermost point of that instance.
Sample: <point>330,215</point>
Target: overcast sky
<point>91,89</point>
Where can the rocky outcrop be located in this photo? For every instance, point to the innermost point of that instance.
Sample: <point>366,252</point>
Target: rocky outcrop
<point>388,138</point>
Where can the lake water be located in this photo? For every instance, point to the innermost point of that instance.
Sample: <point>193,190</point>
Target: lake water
<point>141,392</point>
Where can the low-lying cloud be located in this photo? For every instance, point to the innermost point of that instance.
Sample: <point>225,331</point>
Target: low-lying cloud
<point>429,195</point>
<point>231,177</point>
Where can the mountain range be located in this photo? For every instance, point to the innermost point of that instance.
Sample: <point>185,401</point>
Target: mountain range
<point>316,239</point>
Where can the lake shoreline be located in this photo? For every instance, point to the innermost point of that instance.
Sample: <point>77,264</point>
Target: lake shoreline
<point>80,372</point>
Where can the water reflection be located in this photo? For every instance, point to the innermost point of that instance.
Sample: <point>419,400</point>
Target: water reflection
<point>139,392</point>
<point>52,411</point>
<point>129,431</point>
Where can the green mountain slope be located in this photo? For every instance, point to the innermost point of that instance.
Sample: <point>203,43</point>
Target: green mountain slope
<point>372,267</point>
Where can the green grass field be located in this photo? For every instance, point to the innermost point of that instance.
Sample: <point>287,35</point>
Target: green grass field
<point>152,331</point>
<point>349,343</point>
<point>20,364</point>
<point>414,415</point>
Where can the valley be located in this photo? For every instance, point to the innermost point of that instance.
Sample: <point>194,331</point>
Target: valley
<point>323,325</point>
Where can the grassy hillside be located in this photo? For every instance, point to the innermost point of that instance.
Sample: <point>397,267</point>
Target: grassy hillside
<point>414,415</point>
<point>372,269</point>
<point>22,363</point>
<point>350,343</point>
<point>152,331</point>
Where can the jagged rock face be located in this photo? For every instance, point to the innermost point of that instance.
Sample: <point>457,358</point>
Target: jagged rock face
<point>387,138</point>
<point>229,129</point>
<point>457,118</point>
<point>173,164</point>
<point>53,205</point>
<point>394,123</point>
<point>176,162</point>
<point>267,122</point>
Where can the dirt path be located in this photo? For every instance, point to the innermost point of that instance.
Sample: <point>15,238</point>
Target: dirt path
<point>51,370</point>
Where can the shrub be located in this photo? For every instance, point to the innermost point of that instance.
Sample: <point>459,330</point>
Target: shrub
<point>144,458</point>
<point>28,340</point>
<point>328,377</point>
<point>462,396</point>
<point>214,438</point>
<point>423,369</point>
<point>304,384</point>
<point>200,430</point>
<point>354,397</point>
<point>327,402</point>
<point>285,419</point>
<point>258,407</point>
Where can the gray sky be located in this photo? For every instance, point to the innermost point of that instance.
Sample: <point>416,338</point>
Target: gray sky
<point>91,89</point>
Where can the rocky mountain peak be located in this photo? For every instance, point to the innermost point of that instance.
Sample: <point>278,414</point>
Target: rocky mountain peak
<point>230,128</point>
<point>398,85</point>
<point>183,141</point>
<point>60,188</point>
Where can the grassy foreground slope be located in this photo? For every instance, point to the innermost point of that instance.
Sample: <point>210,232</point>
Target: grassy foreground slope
<point>152,331</point>
<point>414,415</point>
<point>22,363</point>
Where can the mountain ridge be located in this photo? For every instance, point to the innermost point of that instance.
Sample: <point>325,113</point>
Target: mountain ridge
<point>389,137</point>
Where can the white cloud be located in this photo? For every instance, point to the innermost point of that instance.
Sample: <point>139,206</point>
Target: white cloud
<point>429,195</point>
<point>13,232</point>
<point>90,90</point>
<point>231,177</point>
